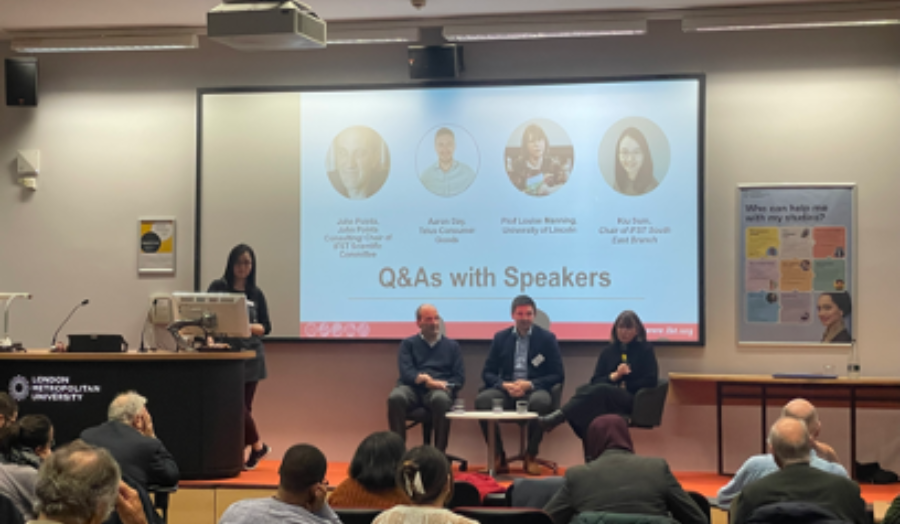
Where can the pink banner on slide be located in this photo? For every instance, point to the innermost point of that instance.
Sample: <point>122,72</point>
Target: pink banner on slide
<point>486,330</point>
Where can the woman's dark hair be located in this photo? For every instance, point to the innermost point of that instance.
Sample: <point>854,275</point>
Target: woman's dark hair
<point>8,406</point>
<point>629,319</point>
<point>644,178</point>
<point>375,462</point>
<point>842,301</point>
<point>233,257</point>
<point>30,431</point>
<point>423,474</point>
<point>533,133</point>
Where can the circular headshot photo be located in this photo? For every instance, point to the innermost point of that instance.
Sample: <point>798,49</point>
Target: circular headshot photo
<point>447,160</point>
<point>539,157</point>
<point>634,156</point>
<point>358,162</point>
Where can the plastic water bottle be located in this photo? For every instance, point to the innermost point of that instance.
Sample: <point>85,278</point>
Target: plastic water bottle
<point>853,362</point>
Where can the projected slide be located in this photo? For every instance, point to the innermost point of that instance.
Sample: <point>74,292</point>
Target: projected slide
<point>583,196</point>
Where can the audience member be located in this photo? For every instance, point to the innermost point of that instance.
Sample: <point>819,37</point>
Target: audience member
<point>9,409</point>
<point>82,484</point>
<point>431,371</point>
<point>892,515</point>
<point>425,477</point>
<point>23,445</point>
<point>300,498</point>
<point>129,436</point>
<point>821,456</point>
<point>373,473</point>
<point>523,365</point>
<point>618,481</point>
<point>796,481</point>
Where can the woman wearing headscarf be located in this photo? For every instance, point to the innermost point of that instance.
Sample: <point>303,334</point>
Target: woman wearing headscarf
<point>618,481</point>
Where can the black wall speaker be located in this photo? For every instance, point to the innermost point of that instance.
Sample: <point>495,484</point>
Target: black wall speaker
<point>21,82</point>
<point>434,62</point>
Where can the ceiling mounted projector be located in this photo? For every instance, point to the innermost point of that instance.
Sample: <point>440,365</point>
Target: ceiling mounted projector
<point>266,26</point>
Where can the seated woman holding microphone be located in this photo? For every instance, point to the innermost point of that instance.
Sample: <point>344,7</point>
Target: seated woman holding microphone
<point>625,366</point>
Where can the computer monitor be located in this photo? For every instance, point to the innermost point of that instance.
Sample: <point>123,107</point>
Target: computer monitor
<point>222,314</point>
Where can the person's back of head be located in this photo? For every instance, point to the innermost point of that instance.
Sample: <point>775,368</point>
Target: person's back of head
<point>9,408</point>
<point>126,407</point>
<point>789,441</point>
<point>803,409</point>
<point>303,467</point>
<point>375,462</point>
<point>31,433</point>
<point>424,475</point>
<point>77,484</point>
<point>607,432</point>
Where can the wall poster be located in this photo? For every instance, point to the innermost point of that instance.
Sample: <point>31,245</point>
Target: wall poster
<point>795,261</point>
<point>156,246</point>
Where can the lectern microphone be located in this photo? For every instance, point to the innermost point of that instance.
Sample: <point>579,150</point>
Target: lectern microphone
<point>74,309</point>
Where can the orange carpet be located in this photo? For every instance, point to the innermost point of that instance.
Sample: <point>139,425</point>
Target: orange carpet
<point>265,476</point>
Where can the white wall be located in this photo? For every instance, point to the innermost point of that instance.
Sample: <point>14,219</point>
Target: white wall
<point>117,138</point>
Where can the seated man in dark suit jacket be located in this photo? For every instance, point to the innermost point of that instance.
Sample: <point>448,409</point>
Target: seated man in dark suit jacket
<point>129,437</point>
<point>523,364</point>
<point>796,481</point>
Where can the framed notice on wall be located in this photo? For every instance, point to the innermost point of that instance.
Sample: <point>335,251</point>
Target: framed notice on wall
<point>156,246</point>
<point>795,264</point>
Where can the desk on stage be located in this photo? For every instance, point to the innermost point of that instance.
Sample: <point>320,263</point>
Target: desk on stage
<point>764,390</point>
<point>196,399</point>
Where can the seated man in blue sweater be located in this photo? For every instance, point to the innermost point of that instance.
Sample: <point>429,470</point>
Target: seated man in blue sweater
<point>431,371</point>
<point>821,456</point>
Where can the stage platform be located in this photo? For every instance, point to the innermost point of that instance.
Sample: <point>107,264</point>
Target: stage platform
<point>203,501</point>
<point>266,477</point>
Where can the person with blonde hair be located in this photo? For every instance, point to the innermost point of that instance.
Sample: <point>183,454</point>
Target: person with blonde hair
<point>424,476</point>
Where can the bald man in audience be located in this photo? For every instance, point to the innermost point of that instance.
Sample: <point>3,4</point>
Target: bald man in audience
<point>796,481</point>
<point>822,456</point>
<point>130,437</point>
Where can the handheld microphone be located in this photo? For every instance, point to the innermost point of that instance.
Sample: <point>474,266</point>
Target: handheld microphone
<point>74,309</point>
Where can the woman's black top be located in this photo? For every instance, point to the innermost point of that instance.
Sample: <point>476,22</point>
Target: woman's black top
<point>638,355</point>
<point>255,369</point>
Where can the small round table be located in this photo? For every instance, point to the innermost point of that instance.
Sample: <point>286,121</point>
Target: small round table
<point>491,417</point>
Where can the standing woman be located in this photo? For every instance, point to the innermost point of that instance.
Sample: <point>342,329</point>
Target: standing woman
<point>625,366</point>
<point>240,277</point>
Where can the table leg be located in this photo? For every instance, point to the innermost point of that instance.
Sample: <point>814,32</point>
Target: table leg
<point>852,432</point>
<point>763,401</point>
<point>719,427</point>
<point>492,440</point>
